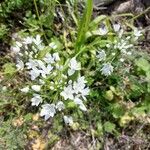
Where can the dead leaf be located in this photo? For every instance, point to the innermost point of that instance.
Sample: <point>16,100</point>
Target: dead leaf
<point>35,117</point>
<point>18,122</point>
<point>39,144</point>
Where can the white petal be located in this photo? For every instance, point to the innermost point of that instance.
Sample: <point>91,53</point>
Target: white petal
<point>25,90</point>
<point>71,72</point>
<point>20,65</point>
<point>68,120</point>
<point>56,56</point>
<point>36,88</point>
<point>116,27</point>
<point>82,107</point>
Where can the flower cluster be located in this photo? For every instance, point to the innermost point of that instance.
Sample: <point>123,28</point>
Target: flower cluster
<point>49,110</point>
<point>55,80</point>
<point>107,68</point>
<point>73,66</point>
<point>120,48</point>
<point>124,46</point>
<point>42,67</point>
<point>25,44</point>
<point>101,55</point>
<point>47,75</point>
<point>103,30</point>
<point>76,91</point>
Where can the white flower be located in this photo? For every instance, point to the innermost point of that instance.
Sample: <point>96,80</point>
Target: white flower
<point>49,59</point>
<point>108,45</point>
<point>41,81</point>
<point>68,120</point>
<point>84,92</point>
<point>15,36</point>
<point>120,33</point>
<point>74,65</point>
<point>51,87</point>
<point>34,73</point>
<point>53,45</point>
<point>60,105</point>
<point>40,63</point>
<point>121,60</point>
<point>128,37</point>
<point>82,80</point>
<point>37,41</point>
<point>101,55</point>
<point>27,40</point>
<point>71,72</point>
<point>67,93</point>
<point>26,53</point>
<point>36,88</point>
<point>15,49</point>
<point>75,91</point>
<point>4,88</point>
<point>103,31</point>
<point>54,73</point>
<point>129,53</point>
<point>48,110</point>
<point>79,85</point>
<point>107,69</point>
<point>41,46</point>
<point>56,57</point>
<point>25,89</point>
<point>79,102</point>
<point>79,88</point>
<point>36,100</point>
<point>123,46</point>
<point>116,27</point>
<point>137,33</point>
<point>20,65</point>
<point>82,107</point>
<point>31,64</point>
<point>46,70</point>
<point>113,54</point>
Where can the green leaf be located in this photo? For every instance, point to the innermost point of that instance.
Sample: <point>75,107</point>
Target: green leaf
<point>148,87</point>
<point>99,128</point>
<point>143,64</point>
<point>109,95</point>
<point>148,75</point>
<point>28,117</point>
<point>71,105</point>
<point>117,110</point>
<point>109,127</point>
<point>137,111</point>
<point>84,24</point>
<point>94,24</point>
<point>9,68</point>
<point>136,90</point>
<point>43,52</point>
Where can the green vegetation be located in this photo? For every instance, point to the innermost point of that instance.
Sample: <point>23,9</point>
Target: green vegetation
<point>65,72</point>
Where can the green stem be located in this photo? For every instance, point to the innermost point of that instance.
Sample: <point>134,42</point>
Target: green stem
<point>37,12</point>
<point>36,9</point>
<point>67,62</point>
